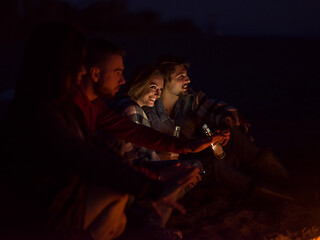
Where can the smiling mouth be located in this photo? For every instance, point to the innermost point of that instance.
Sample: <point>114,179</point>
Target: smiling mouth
<point>152,99</point>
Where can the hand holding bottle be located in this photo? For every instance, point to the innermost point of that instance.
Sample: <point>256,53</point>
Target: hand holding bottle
<point>216,146</point>
<point>193,146</point>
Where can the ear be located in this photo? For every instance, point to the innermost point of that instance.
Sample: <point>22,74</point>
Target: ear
<point>95,74</point>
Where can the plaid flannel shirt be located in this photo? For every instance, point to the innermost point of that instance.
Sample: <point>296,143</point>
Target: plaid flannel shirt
<point>132,153</point>
<point>190,113</point>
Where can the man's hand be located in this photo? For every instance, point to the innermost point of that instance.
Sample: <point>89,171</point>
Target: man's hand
<point>201,144</point>
<point>223,141</point>
<point>235,120</point>
<point>239,122</point>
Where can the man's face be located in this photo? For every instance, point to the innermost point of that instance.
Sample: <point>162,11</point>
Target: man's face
<point>179,81</point>
<point>111,78</point>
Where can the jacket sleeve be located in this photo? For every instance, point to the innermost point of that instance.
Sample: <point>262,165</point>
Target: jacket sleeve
<point>102,165</point>
<point>213,111</point>
<point>111,122</point>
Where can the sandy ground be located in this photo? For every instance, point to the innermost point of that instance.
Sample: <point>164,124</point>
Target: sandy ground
<point>215,213</point>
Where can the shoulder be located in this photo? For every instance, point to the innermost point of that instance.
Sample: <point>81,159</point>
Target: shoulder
<point>157,105</point>
<point>193,99</point>
<point>156,112</point>
<point>196,95</point>
<point>121,103</point>
<point>157,108</point>
<point>133,109</point>
<point>136,114</point>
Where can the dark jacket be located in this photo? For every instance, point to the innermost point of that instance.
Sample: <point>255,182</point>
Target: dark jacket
<point>51,156</point>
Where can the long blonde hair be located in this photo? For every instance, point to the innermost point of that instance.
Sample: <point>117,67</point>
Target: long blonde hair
<point>142,80</point>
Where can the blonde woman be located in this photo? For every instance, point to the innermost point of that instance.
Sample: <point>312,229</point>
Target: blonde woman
<point>144,91</point>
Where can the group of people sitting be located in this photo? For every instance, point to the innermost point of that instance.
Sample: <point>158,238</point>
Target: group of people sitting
<point>78,158</point>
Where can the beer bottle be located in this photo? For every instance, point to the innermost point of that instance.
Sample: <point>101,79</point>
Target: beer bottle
<point>216,147</point>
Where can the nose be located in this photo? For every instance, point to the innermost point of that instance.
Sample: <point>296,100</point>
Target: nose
<point>187,79</point>
<point>158,92</point>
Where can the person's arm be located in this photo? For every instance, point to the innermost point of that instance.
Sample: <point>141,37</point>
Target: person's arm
<point>103,166</point>
<point>132,153</point>
<point>112,123</point>
<point>75,155</point>
<point>122,127</point>
<point>216,112</point>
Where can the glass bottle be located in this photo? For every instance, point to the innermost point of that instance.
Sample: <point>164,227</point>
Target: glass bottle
<point>216,147</point>
<point>176,132</point>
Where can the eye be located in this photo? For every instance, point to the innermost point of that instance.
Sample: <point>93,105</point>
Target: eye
<point>153,87</point>
<point>181,76</point>
<point>118,72</point>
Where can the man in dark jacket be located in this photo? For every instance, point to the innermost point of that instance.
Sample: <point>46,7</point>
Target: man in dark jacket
<point>190,110</point>
<point>59,182</point>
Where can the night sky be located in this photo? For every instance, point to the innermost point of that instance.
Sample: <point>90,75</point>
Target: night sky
<point>297,18</point>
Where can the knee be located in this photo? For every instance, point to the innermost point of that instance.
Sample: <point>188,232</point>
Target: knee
<point>195,163</point>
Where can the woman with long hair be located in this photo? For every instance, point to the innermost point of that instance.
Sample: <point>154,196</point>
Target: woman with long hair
<point>145,89</point>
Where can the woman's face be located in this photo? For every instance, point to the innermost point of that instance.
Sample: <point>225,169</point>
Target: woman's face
<point>152,93</point>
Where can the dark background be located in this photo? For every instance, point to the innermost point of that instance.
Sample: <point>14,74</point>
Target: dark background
<point>260,57</point>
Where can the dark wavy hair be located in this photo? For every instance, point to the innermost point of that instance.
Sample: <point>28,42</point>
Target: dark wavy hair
<point>52,60</point>
<point>167,64</point>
